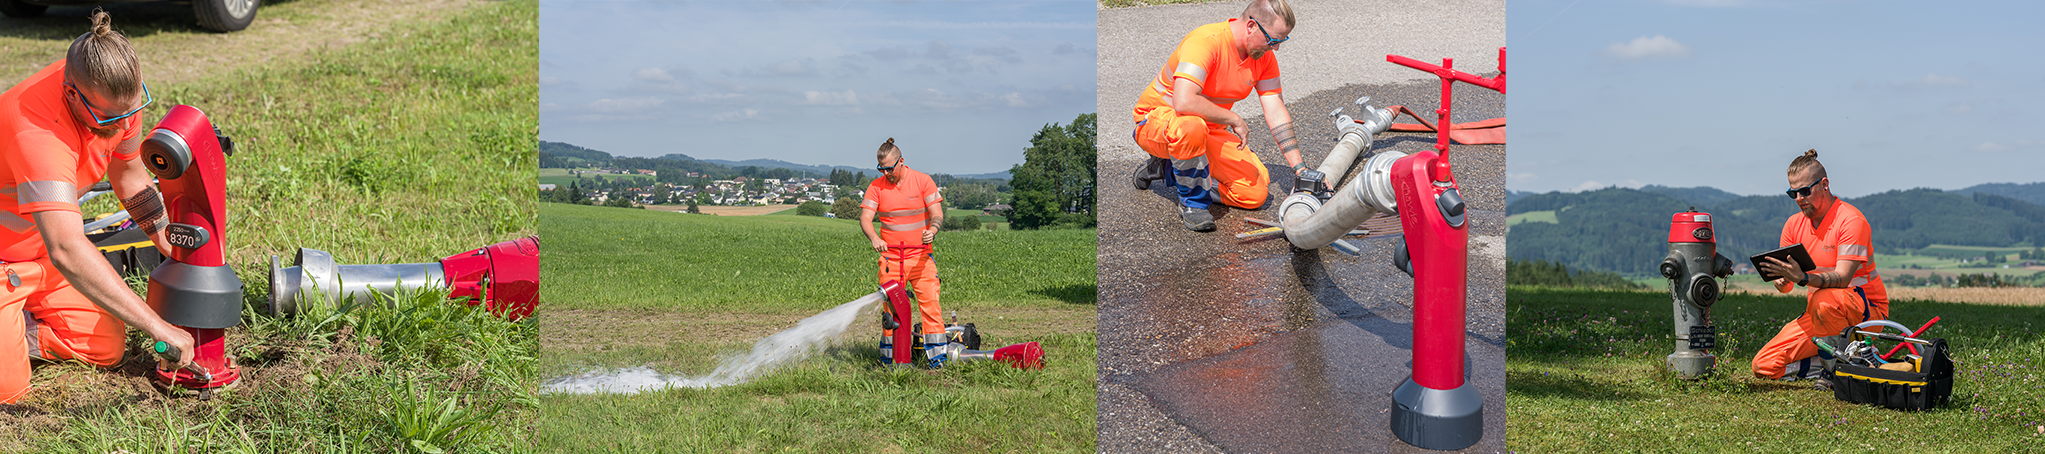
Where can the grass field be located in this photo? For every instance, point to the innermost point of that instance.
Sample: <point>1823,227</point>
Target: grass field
<point>403,142</point>
<point>676,292</point>
<point>1547,216</point>
<point>1585,373</point>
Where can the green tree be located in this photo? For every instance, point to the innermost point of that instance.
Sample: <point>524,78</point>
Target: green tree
<point>810,208</point>
<point>1055,186</point>
<point>970,196</point>
<point>845,208</point>
<point>961,223</point>
<point>692,207</point>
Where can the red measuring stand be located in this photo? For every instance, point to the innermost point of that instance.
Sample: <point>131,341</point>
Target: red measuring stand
<point>194,289</point>
<point>1435,408</point>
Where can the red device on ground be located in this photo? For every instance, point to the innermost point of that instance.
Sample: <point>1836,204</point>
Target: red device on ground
<point>503,277</point>
<point>194,289</point>
<point>1436,408</point>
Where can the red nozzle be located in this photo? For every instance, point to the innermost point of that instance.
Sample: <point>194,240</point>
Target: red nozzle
<point>1025,355</point>
<point>505,277</point>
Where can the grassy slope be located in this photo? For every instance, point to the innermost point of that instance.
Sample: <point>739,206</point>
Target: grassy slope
<point>1585,373</point>
<point>407,147</point>
<point>679,290</point>
<point>786,262</point>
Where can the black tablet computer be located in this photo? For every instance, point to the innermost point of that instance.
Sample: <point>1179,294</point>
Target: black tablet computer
<point>1791,253</point>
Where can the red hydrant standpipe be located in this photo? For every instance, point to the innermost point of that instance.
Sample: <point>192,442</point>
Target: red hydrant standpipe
<point>194,289</point>
<point>1436,408</point>
<point>904,315</point>
<point>504,277</point>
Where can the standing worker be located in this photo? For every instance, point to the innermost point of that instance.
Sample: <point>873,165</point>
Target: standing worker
<point>69,125</point>
<point>1843,295</point>
<point>1183,118</point>
<point>910,211</point>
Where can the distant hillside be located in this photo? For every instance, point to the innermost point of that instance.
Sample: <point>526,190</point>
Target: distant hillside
<point>564,155</point>
<point>815,171</point>
<point>2028,192</point>
<point>1626,230</point>
<point>1701,195</point>
<point>1515,196</point>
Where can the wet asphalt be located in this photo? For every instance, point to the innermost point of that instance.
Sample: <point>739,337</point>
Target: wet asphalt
<point>1213,344</point>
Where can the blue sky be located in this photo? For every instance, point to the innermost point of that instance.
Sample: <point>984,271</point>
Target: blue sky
<point>1724,93</point>
<point>960,85</point>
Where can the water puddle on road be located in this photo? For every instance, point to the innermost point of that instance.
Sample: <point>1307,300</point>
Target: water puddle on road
<point>786,347</point>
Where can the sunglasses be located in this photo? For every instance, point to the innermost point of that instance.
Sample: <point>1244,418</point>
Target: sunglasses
<point>147,98</point>
<point>888,168</point>
<point>1805,191</point>
<point>1267,35</point>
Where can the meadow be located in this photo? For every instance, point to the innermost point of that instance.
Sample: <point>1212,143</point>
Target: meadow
<point>395,141</point>
<point>677,291</point>
<point>1586,373</point>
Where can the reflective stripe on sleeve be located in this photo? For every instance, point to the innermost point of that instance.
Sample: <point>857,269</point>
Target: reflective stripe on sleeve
<point>43,191</point>
<point>1853,250</point>
<point>1267,85</point>
<point>1188,68</point>
<point>869,203</point>
<point>932,198</point>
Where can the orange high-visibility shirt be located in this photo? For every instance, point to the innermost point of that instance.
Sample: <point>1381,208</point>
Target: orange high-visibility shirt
<point>902,208</point>
<point>45,157</point>
<point>1208,56</point>
<point>1844,235</point>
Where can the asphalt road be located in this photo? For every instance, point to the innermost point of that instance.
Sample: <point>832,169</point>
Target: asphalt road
<point>1210,344</point>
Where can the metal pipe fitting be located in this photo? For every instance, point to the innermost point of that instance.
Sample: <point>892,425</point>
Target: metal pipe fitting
<point>1309,224</point>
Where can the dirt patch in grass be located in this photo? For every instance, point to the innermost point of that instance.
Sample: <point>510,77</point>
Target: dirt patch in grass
<point>174,49</point>
<point>724,210</point>
<point>2013,296</point>
<point>574,331</point>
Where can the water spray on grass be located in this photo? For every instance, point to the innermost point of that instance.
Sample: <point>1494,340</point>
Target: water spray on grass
<point>781,348</point>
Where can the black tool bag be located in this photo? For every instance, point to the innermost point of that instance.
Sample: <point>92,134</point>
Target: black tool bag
<point>1929,388</point>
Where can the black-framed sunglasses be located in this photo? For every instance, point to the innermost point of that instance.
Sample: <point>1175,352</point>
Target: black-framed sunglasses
<point>1267,35</point>
<point>1805,191</point>
<point>89,109</point>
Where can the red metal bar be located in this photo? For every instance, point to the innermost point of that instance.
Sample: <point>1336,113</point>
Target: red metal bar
<point>1913,348</point>
<point>1442,172</point>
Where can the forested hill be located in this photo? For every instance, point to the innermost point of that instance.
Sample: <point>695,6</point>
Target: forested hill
<point>1626,230</point>
<point>564,155</point>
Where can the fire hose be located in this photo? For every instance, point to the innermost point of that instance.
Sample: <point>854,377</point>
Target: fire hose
<point>503,277</point>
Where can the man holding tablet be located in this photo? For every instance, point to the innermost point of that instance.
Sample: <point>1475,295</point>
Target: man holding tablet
<point>1843,295</point>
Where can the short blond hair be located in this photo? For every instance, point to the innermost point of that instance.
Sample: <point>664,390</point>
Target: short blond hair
<point>103,59</point>
<point>1279,8</point>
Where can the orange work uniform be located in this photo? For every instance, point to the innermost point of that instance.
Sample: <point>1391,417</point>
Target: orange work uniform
<point>45,156</point>
<point>1209,163</point>
<point>1843,235</point>
<point>903,211</point>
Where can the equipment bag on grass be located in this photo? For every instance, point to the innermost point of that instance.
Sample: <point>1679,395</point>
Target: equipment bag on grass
<point>1929,385</point>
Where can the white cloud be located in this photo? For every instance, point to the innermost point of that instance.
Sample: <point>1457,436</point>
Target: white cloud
<point>826,98</point>
<point>1588,185</point>
<point>653,75</point>
<point>1528,176</point>
<point>1934,80</point>
<point>608,105</point>
<point>1648,47</point>
<point>550,81</point>
<point>736,115</point>
<point>1991,147</point>
<point>1015,99</point>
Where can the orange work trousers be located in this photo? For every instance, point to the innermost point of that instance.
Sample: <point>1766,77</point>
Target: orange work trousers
<point>67,326</point>
<point>918,271</point>
<point>1827,312</point>
<point>1201,151</point>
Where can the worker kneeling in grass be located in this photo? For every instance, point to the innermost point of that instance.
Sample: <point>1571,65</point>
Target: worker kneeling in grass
<point>1843,295</point>
<point>71,124</point>
<point>910,212</point>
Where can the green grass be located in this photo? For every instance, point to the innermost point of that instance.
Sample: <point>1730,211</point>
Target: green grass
<point>1585,373</point>
<point>677,292</point>
<point>408,147</point>
<point>840,402</point>
<point>1547,216</point>
<point>786,262</point>
<point>562,177</point>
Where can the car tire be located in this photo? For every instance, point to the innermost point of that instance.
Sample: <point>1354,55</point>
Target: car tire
<point>18,8</point>
<point>224,15</point>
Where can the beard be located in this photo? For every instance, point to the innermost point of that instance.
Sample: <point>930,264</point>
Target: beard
<point>1256,54</point>
<point>105,133</point>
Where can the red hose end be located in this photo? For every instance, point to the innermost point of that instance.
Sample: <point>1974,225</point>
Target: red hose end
<point>1027,355</point>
